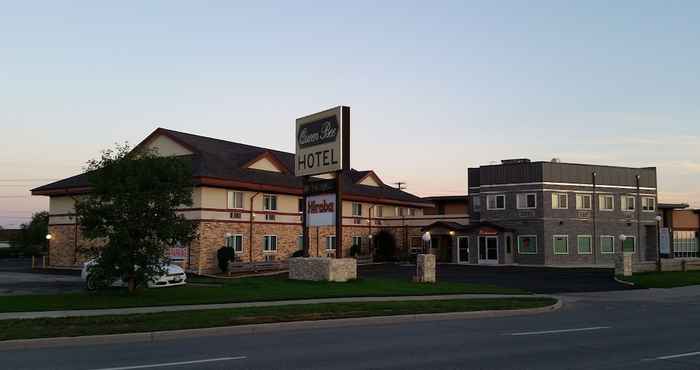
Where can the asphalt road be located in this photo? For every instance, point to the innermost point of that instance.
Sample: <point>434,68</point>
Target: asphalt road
<point>637,329</point>
<point>17,277</point>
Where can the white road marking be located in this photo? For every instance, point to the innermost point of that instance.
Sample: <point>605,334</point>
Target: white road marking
<point>558,331</point>
<point>670,357</point>
<point>175,363</point>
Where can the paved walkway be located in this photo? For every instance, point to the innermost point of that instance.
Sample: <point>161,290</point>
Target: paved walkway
<point>155,309</point>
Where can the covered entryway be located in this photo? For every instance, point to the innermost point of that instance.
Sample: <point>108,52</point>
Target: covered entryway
<point>480,243</point>
<point>445,242</point>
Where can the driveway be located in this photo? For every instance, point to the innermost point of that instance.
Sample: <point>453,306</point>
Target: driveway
<point>540,280</point>
<point>17,277</point>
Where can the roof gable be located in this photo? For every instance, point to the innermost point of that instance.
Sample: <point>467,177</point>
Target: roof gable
<point>266,162</point>
<point>370,179</point>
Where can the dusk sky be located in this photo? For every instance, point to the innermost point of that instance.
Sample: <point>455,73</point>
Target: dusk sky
<point>433,89</point>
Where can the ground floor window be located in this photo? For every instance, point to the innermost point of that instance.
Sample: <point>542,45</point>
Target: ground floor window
<point>416,245</point>
<point>300,242</point>
<point>561,244</point>
<point>270,243</point>
<point>330,243</point>
<point>357,240</point>
<point>527,244</point>
<point>607,244</point>
<point>235,242</point>
<point>685,244</point>
<point>584,244</point>
<point>629,245</point>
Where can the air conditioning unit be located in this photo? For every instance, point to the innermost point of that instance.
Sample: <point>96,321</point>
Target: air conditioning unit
<point>235,215</point>
<point>269,258</point>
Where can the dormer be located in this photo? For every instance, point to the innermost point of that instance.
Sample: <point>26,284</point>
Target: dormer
<point>370,179</point>
<point>164,145</point>
<point>266,162</point>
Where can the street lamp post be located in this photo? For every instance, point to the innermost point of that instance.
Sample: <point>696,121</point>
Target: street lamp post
<point>658,243</point>
<point>48,251</point>
<point>622,239</point>
<point>426,241</point>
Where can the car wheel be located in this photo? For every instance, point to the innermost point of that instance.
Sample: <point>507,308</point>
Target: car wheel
<point>91,282</point>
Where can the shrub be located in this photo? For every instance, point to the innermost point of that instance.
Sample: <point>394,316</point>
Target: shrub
<point>384,246</point>
<point>299,253</point>
<point>355,250</point>
<point>225,255</point>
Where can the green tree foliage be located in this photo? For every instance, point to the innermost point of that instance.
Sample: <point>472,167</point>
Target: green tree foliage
<point>32,235</point>
<point>131,210</point>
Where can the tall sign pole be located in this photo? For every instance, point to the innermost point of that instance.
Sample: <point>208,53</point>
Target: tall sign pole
<point>323,148</point>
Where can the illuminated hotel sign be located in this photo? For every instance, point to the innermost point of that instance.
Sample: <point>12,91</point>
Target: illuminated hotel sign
<point>322,142</point>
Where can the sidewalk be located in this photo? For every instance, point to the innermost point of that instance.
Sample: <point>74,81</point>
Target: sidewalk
<point>156,309</point>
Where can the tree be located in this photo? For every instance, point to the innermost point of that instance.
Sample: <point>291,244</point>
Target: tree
<point>32,235</point>
<point>131,210</point>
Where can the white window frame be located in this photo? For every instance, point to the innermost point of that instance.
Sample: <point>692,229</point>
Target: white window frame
<point>622,246</point>
<point>330,247</point>
<point>590,244</point>
<point>300,242</point>
<point>611,237</point>
<point>266,249</point>
<point>554,244</point>
<point>624,199</point>
<point>582,196</point>
<point>231,196</point>
<point>644,205</point>
<point>266,206</point>
<point>527,236</point>
<point>601,202</point>
<point>234,237</point>
<point>495,198</point>
<point>524,197</point>
<point>411,212</point>
<point>380,211</point>
<point>557,194</point>
<point>356,207</point>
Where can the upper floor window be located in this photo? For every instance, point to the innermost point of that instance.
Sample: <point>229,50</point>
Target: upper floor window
<point>269,204</point>
<point>627,202</point>
<point>584,201</point>
<point>496,201</point>
<point>380,211</point>
<point>300,205</point>
<point>527,201</point>
<point>606,202</point>
<point>357,209</point>
<point>234,199</point>
<point>648,204</point>
<point>476,203</point>
<point>560,201</point>
<point>411,211</point>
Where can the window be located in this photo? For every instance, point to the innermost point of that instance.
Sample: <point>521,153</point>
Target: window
<point>527,201</point>
<point>648,204</point>
<point>357,240</point>
<point>607,244</point>
<point>300,205</point>
<point>234,199</point>
<point>584,201</point>
<point>397,211</point>
<point>584,244</point>
<point>629,244</point>
<point>411,212</point>
<point>357,209</point>
<point>270,244</point>
<point>560,200</point>
<point>561,244</point>
<point>235,242</point>
<point>300,242</point>
<point>685,244</point>
<point>330,243</point>
<point>527,244</point>
<point>416,244</point>
<point>627,203</point>
<point>269,204</point>
<point>476,203</point>
<point>380,211</point>
<point>606,202</point>
<point>496,202</point>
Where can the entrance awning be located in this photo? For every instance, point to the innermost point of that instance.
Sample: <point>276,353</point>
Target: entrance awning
<point>481,228</point>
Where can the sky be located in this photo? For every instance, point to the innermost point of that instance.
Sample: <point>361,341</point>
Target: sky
<point>435,87</point>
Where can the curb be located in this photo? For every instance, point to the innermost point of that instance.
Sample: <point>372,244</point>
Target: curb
<point>160,336</point>
<point>629,283</point>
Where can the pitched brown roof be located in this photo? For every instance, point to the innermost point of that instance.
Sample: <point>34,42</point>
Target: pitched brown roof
<point>224,163</point>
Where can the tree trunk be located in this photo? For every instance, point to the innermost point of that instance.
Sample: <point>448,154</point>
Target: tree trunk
<point>132,283</point>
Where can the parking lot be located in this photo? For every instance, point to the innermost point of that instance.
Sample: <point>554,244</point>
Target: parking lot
<point>17,277</point>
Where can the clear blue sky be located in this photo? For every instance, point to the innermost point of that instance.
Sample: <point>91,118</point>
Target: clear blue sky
<point>433,89</point>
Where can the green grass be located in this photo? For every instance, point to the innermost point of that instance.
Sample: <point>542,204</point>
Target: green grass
<point>670,279</point>
<point>80,326</point>
<point>207,290</point>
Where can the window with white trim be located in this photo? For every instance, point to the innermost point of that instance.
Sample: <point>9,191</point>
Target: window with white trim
<point>476,203</point>
<point>526,201</point>
<point>270,243</point>
<point>607,244</point>
<point>561,244</point>
<point>648,204</point>
<point>629,245</point>
<point>357,209</point>
<point>527,244</point>
<point>496,202</point>
<point>380,211</point>
<point>235,242</point>
<point>685,243</point>
<point>412,212</point>
<point>330,243</point>
<point>234,199</point>
<point>584,201</point>
<point>269,204</point>
<point>560,201</point>
<point>584,244</point>
<point>606,202</point>
<point>627,203</point>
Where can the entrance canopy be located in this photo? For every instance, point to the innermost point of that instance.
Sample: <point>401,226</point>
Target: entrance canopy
<point>481,228</point>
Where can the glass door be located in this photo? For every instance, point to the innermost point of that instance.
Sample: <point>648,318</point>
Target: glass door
<point>488,249</point>
<point>463,246</point>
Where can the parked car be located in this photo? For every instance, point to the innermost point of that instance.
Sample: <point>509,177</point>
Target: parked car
<point>174,275</point>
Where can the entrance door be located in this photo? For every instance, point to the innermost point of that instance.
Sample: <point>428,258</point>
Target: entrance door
<point>463,249</point>
<point>488,249</point>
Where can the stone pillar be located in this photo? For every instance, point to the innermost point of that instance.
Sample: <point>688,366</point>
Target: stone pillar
<point>623,265</point>
<point>425,269</point>
<point>323,269</point>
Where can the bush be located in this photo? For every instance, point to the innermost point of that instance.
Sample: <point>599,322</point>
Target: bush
<point>355,250</point>
<point>299,253</point>
<point>384,247</point>
<point>225,255</point>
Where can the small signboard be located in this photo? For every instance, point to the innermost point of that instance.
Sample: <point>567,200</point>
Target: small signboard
<point>320,210</point>
<point>322,142</point>
<point>320,187</point>
<point>664,241</point>
<point>177,252</point>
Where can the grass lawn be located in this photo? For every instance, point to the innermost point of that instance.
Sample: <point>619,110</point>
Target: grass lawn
<point>207,290</point>
<point>670,279</point>
<point>78,326</point>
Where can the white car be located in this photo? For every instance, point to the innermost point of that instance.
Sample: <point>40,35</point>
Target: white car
<point>174,275</point>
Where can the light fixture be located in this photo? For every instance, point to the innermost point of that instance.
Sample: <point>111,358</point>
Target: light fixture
<point>426,236</point>
<point>658,218</point>
<point>49,236</point>
<point>622,237</point>
<point>452,233</point>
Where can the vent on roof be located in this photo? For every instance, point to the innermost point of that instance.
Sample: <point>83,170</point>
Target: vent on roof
<point>556,160</point>
<point>515,161</point>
